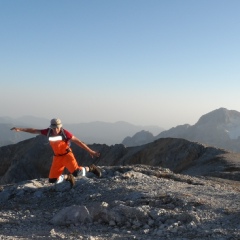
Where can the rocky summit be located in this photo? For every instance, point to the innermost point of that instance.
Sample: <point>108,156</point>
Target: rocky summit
<point>128,202</point>
<point>168,189</point>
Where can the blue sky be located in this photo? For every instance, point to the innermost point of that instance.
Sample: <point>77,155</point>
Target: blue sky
<point>147,62</point>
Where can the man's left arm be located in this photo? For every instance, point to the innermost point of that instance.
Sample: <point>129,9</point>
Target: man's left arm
<point>85,147</point>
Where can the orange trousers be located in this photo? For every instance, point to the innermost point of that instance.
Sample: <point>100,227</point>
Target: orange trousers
<point>60,162</point>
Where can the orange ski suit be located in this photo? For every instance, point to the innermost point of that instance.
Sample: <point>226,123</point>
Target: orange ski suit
<point>63,157</point>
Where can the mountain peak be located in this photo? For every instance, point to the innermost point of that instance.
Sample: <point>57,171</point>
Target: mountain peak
<point>219,116</point>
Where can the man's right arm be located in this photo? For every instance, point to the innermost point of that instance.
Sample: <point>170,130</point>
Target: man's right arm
<point>28,130</point>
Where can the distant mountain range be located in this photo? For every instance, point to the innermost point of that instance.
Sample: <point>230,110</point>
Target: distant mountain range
<point>219,128</point>
<point>93,132</point>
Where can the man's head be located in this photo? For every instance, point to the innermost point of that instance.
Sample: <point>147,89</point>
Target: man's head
<point>56,123</point>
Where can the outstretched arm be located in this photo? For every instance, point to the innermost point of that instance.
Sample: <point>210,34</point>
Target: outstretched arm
<point>85,147</point>
<point>28,130</point>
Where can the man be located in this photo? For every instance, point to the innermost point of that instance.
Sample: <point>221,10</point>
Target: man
<point>59,140</point>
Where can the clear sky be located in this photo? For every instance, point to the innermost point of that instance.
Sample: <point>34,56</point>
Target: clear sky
<point>147,62</point>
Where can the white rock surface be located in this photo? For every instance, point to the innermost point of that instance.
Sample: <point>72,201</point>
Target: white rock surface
<point>128,202</point>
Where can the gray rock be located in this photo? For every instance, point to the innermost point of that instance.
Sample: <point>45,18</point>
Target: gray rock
<point>4,196</point>
<point>70,215</point>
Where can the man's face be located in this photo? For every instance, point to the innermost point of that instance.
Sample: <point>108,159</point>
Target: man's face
<point>56,131</point>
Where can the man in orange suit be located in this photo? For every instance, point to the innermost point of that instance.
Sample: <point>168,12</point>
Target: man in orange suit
<point>59,140</point>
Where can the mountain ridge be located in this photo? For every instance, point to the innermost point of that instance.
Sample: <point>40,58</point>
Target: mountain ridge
<point>32,158</point>
<point>218,128</point>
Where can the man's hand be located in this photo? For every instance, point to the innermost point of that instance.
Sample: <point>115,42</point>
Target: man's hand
<point>15,129</point>
<point>94,154</point>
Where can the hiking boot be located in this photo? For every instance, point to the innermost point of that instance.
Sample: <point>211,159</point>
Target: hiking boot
<point>96,170</point>
<point>70,178</point>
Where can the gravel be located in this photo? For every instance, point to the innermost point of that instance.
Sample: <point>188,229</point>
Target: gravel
<point>128,202</point>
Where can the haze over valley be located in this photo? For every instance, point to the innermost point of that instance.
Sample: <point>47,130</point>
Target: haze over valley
<point>219,128</point>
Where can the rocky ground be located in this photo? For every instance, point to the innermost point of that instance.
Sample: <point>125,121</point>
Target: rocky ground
<point>128,202</point>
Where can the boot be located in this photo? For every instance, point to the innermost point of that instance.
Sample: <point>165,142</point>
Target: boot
<point>70,178</point>
<point>96,170</point>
